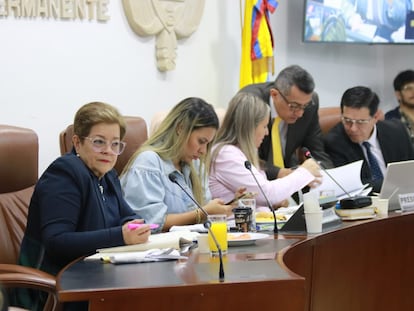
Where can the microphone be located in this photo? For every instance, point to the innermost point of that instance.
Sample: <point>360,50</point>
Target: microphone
<point>207,224</point>
<point>351,201</point>
<point>248,165</point>
<point>308,155</point>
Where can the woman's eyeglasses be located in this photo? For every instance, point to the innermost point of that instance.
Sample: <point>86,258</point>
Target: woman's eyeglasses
<point>100,144</point>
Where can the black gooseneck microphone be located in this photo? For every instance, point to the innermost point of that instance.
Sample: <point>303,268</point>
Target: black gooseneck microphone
<point>350,202</point>
<point>308,155</point>
<point>248,165</point>
<point>207,224</point>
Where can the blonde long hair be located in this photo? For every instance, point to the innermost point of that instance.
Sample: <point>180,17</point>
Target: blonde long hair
<point>188,115</point>
<point>244,113</point>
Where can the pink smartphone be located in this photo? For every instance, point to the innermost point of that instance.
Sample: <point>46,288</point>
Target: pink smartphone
<point>136,226</point>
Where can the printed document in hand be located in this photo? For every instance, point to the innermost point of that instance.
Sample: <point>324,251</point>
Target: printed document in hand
<point>348,177</point>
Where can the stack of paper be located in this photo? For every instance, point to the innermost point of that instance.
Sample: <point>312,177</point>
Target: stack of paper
<point>157,245</point>
<point>356,213</point>
<point>195,228</point>
<point>344,180</point>
<point>136,257</point>
<point>176,240</point>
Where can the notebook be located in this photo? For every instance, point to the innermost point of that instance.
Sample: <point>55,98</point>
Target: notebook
<point>399,179</point>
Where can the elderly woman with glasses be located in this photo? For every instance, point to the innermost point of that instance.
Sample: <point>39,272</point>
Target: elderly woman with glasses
<point>77,206</point>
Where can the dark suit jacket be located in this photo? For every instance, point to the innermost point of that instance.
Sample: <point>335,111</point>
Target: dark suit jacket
<point>305,132</point>
<point>392,137</point>
<point>68,216</point>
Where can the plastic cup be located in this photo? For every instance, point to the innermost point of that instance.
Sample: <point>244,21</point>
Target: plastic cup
<point>202,242</point>
<point>380,206</point>
<point>250,214</point>
<point>219,229</point>
<point>311,201</point>
<point>243,219</point>
<point>313,221</point>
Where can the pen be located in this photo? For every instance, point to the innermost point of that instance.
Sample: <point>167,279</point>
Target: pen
<point>136,226</point>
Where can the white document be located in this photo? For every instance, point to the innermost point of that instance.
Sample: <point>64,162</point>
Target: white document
<point>135,257</point>
<point>176,240</point>
<point>347,176</point>
<point>193,228</point>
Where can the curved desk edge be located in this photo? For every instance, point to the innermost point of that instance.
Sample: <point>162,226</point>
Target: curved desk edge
<point>364,265</point>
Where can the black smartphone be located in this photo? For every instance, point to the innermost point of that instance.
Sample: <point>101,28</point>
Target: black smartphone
<point>244,195</point>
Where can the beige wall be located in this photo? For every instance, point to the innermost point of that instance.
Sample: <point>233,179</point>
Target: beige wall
<point>49,68</point>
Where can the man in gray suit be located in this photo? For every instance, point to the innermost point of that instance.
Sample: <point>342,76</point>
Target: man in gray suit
<point>291,98</point>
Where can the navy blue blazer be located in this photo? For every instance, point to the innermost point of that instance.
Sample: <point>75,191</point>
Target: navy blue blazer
<point>305,132</point>
<point>393,139</point>
<point>69,217</point>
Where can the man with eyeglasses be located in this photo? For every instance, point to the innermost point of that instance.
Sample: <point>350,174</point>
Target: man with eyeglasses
<point>362,135</point>
<point>294,121</point>
<point>404,92</point>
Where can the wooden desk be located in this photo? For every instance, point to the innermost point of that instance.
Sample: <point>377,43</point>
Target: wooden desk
<point>252,280</point>
<point>362,266</point>
<point>365,265</point>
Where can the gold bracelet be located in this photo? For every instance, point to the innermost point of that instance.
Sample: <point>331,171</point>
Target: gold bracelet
<point>198,216</point>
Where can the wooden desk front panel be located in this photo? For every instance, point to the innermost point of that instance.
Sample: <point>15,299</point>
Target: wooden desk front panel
<point>299,260</point>
<point>268,295</point>
<point>367,266</point>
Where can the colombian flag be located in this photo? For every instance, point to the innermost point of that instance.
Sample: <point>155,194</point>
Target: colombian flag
<point>257,42</point>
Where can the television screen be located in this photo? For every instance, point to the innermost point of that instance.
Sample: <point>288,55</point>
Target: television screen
<point>359,21</point>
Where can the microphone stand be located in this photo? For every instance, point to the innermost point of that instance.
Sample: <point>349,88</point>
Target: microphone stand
<point>248,165</point>
<point>350,202</point>
<point>308,155</point>
<point>207,224</point>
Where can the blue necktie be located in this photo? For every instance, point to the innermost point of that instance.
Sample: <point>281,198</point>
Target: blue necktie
<point>373,163</point>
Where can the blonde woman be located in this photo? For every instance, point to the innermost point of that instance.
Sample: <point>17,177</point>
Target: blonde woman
<point>241,133</point>
<point>180,146</point>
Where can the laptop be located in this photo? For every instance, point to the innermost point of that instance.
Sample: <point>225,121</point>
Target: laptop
<point>398,180</point>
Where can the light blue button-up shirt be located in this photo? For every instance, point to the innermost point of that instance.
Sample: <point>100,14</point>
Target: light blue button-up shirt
<point>149,191</point>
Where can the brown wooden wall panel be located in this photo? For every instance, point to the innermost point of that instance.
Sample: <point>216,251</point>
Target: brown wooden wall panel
<point>367,266</point>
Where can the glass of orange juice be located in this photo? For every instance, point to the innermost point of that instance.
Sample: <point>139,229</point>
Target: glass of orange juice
<point>219,229</point>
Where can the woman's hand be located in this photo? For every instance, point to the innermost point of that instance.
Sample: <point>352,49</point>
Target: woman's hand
<point>313,167</point>
<point>239,193</point>
<point>284,203</point>
<point>217,206</point>
<point>138,235</point>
